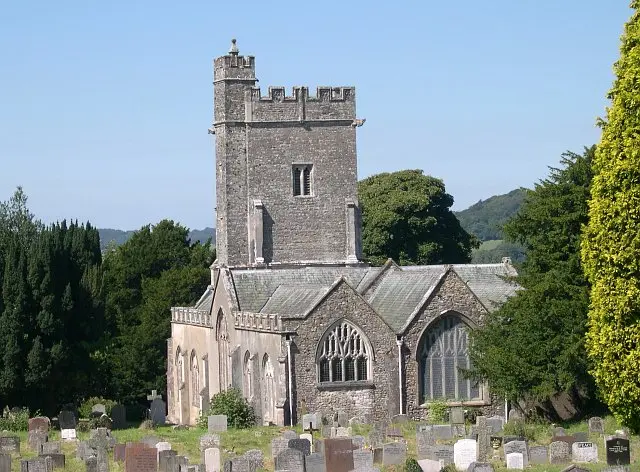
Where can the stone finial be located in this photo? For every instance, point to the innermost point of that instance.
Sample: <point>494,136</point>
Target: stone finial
<point>234,48</point>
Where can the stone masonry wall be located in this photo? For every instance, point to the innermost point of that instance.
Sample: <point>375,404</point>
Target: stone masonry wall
<point>452,295</point>
<point>373,400</point>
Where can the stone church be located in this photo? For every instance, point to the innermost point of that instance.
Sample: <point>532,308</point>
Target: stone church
<point>293,317</point>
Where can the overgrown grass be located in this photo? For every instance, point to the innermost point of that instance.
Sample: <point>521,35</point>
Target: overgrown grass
<point>186,442</point>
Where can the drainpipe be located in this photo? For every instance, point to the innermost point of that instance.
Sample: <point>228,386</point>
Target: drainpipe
<point>288,341</point>
<point>399,343</point>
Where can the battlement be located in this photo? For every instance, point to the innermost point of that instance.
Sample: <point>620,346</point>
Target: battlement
<point>323,94</point>
<point>189,315</point>
<point>257,322</point>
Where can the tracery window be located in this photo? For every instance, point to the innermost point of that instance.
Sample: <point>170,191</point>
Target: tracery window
<point>443,351</point>
<point>195,380</point>
<point>343,354</point>
<point>301,175</point>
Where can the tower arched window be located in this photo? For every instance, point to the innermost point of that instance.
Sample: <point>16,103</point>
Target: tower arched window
<point>344,354</point>
<point>302,176</point>
<point>444,350</point>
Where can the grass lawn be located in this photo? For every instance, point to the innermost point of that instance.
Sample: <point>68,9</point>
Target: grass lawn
<point>240,441</point>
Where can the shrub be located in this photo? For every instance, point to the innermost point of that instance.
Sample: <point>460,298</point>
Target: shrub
<point>85,407</point>
<point>438,411</point>
<point>239,412</point>
<point>411,465</point>
<point>449,468</point>
<point>15,419</point>
<point>527,429</point>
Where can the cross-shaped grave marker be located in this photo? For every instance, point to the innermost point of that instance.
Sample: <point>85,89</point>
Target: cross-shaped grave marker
<point>310,430</point>
<point>154,396</point>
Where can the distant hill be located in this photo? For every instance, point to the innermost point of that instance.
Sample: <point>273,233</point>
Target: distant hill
<point>485,218</point>
<point>119,236</point>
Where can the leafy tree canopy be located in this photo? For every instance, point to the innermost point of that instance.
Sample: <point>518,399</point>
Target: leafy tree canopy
<point>533,345</point>
<point>407,216</point>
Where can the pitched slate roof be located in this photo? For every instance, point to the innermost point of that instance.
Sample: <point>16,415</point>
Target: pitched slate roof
<point>393,292</point>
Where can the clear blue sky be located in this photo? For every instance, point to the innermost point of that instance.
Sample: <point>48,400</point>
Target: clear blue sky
<point>104,106</point>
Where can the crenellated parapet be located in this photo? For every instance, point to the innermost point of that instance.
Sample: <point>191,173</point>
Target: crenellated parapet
<point>257,322</point>
<point>323,94</point>
<point>191,316</point>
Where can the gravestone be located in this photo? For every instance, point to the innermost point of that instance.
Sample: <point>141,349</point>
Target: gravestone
<point>9,444</point>
<point>278,445</point>
<point>309,438</point>
<point>559,452</point>
<point>255,459</point>
<point>158,412</point>
<point>318,446</point>
<point>37,464</point>
<point>209,440</point>
<point>302,445</point>
<point>465,451</point>
<point>567,439</point>
<point>342,432</point>
<point>442,452</point>
<point>177,463</point>
<point>5,462</point>
<point>429,465</point>
<point>618,452</point>
<point>118,417</point>
<point>584,452</point>
<point>484,438</point>
<point>119,452</point>
<point>508,438</point>
<point>442,431</point>
<point>211,459</point>
<point>538,455</point>
<point>150,441</point>
<point>456,415</point>
<point>517,446</point>
<point>163,446</point>
<point>376,438</point>
<point>342,419</point>
<point>36,439</point>
<point>164,458</point>
<point>480,467</point>
<point>53,447</point>
<point>559,431</point>
<point>377,455</point>
<point>515,460</point>
<point>496,423</point>
<point>67,420</point>
<point>217,423</point>
<point>91,464</point>
<point>290,460</point>
<point>424,441</point>
<point>139,457</point>
<point>290,434</point>
<point>363,459</point>
<point>514,415</point>
<point>358,441</point>
<point>99,409</point>
<point>57,459</point>
<point>326,431</point>
<point>581,436</point>
<point>315,463</point>
<point>338,455</point>
<point>311,420</point>
<point>68,434</point>
<point>40,423</point>
<point>399,419</point>
<point>596,425</point>
<point>394,453</point>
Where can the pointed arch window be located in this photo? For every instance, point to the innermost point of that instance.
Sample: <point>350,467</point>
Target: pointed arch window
<point>344,354</point>
<point>442,352</point>
<point>222,337</point>
<point>195,380</point>
<point>302,176</point>
<point>247,373</point>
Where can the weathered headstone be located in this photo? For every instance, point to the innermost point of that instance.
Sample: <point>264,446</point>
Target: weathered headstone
<point>596,425</point>
<point>119,452</point>
<point>376,438</point>
<point>584,452</point>
<point>41,423</point>
<point>278,445</point>
<point>514,414</point>
<point>496,423</point>
<point>67,420</point>
<point>358,441</point>
<point>37,464</point>
<point>559,431</point>
<point>456,415</point>
<point>480,467</point>
<point>91,464</point>
<point>9,444</point>
<point>581,436</point>
<point>164,458</point>
<point>342,432</point>
<point>315,463</point>
<point>484,439</point>
<point>163,446</point>
<point>53,447</point>
<point>424,441</point>
<point>465,451</point>
<point>363,459</point>
<point>338,455</point>
<point>311,420</point>
<point>394,453</point>
<point>158,411</point>
<point>343,419</point>
<point>255,459</point>
<point>567,439</point>
<point>538,455</point>
<point>289,434</point>
<point>618,452</point>
<point>118,416</point>
<point>326,431</point>
<point>559,452</point>
<point>98,409</point>
<point>290,460</point>
<point>399,419</point>
<point>5,462</point>
<point>357,420</point>
<point>217,423</point>
<point>57,459</point>
<point>140,458</point>
<point>212,459</point>
<point>517,446</point>
<point>515,460</point>
<point>36,438</point>
<point>442,452</point>
<point>442,431</point>
<point>302,445</point>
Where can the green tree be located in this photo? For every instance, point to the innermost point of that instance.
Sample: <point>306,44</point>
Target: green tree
<point>533,345</point>
<point>611,246</point>
<point>407,216</point>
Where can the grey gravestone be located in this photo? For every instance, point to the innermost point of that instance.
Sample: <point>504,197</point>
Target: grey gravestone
<point>302,445</point>
<point>177,463</point>
<point>443,453</point>
<point>584,452</point>
<point>338,455</point>
<point>517,446</point>
<point>358,441</point>
<point>596,425</point>
<point>363,459</point>
<point>473,433</point>
<point>559,452</point>
<point>538,455</point>
<point>424,441</point>
<point>423,427</point>
<point>164,457</point>
<point>58,460</point>
<point>237,464</point>
<point>581,436</point>
<point>508,438</point>
<point>343,419</point>
<point>53,447</point>
<point>255,459</point>
<point>484,439</point>
<point>377,455</point>
<point>119,416</point>
<point>376,438</point>
<point>326,431</point>
<point>559,431</point>
<point>357,420</point>
<point>67,420</point>
<point>318,446</point>
<point>5,462</point>
<point>290,460</point>
<point>315,463</point>
<point>618,452</point>
<point>91,464</point>
<point>480,467</point>
<point>311,420</point>
<point>399,419</point>
<point>443,431</point>
<point>514,414</point>
<point>496,423</point>
<point>158,411</point>
<point>217,423</point>
<point>36,439</point>
<point>456,415</point>
<point>101,439</point>
<point>515,460</point>
<point>290,434</point>
<point>38,464</point>
<point>9,444</point>
<point>394,453</point>
<point>118,452</point>
<point>278,445</point>
<point>99,408</point>
<point>465,451</point>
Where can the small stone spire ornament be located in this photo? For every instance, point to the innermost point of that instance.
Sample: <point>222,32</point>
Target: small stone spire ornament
<point>234,48</point>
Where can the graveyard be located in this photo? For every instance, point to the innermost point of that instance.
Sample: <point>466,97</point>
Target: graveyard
<point>318,445</point>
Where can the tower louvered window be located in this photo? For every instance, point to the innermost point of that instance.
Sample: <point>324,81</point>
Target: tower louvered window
<point>343,355</point>
<point>302,177</point>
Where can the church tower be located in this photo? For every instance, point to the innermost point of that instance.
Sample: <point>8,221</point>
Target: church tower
<point>286,171</point>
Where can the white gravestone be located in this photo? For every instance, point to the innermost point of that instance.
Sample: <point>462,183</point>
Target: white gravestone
<point>68,434</point>
<point>163,446</point>
<point>584,452</point>
<point>212,459</point>
<point>515,460</point>
<point>465,451</point>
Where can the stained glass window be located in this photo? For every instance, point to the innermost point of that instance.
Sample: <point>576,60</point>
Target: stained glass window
<point>343,355</point>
